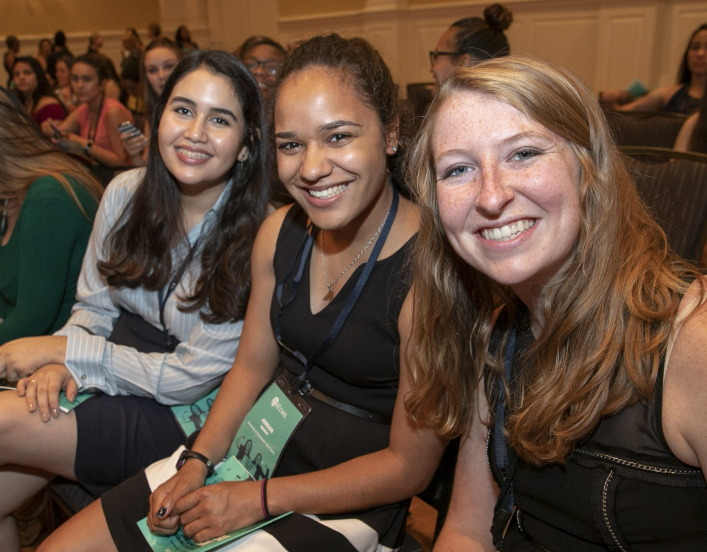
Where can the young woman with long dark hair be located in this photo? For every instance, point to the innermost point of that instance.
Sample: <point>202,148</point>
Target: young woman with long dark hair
<point>162,295</point>
<point>33,90</point>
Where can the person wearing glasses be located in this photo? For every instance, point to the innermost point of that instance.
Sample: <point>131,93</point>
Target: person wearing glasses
<point>263,57</point>
<point>469,41</point>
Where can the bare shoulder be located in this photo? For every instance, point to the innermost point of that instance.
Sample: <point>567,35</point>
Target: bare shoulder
<point>685,389</point>
<point>266,240</point>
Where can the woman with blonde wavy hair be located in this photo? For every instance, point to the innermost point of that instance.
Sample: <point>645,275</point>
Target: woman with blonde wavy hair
<point>47,205</point>
<point>541,279</point>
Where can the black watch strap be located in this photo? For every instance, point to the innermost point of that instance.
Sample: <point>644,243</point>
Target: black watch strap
<point>187,454</point>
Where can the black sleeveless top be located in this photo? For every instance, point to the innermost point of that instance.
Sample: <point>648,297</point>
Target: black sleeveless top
<point>361,367</point>
<point>682,102</point>
<point>622,489</point>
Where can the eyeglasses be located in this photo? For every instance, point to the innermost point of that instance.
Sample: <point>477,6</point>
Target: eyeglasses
<point>434,54</point>
<point>270,66</point>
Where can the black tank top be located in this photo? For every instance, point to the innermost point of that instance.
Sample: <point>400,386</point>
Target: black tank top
<point>682,102</point>
<point>361,367</point>
<point>622,489</point>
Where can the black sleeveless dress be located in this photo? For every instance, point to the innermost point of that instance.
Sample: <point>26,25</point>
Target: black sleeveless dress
<point>361,368</point>
<point>622,490</point>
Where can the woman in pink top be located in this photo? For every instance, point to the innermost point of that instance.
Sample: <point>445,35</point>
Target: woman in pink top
<point>93,128</point>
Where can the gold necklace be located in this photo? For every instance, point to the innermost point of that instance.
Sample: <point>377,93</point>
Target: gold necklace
<point>330,285</point>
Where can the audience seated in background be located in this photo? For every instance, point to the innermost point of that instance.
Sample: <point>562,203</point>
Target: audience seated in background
<point>59,50</point>
<point>44,48</point>
<point>33,90</point>
<point>47,205</point>
<point>161,297</point>
<point>693,134</point>
<point>263,57</point>
<point>569,392</point>
<point>183,39</point>
<point>154,31</point>
<point>683,97</point>
<point>95,43</point>
<point>336,96</point>
<point>159,60</point>
<point>92,129</point>
<point>13,48</point>
<point>469,41</point>
<point>62,89</point>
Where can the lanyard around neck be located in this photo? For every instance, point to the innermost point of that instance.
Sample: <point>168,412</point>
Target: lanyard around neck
<point>306,247</point>
<point>163,295</point>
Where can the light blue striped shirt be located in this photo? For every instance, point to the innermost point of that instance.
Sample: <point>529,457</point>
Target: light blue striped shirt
<point>200,361</point>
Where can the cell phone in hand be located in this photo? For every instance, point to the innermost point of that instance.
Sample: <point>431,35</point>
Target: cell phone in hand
<point>128,128</point>
<point>57,132</point>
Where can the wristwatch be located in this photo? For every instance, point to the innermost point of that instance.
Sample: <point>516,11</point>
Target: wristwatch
<point>187,454</point>
<point>87,148</point>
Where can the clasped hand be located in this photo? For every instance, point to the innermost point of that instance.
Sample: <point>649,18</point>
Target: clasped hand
<point>41,390</point>
<point>204,512</point>
<point>22,357</point>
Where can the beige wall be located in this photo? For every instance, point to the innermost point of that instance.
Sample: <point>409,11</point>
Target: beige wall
<point>44,17</point>
<point>294,8</point>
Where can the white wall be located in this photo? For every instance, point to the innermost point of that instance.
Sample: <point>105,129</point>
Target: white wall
<point>606,42</point>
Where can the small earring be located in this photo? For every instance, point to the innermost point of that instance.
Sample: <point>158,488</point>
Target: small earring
<point>395,149</point>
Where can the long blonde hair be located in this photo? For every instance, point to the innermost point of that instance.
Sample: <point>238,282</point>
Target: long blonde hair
<point>607,316</point>
<point>26,154</point>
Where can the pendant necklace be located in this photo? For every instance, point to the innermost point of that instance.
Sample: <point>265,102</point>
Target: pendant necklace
<point>330,294</point>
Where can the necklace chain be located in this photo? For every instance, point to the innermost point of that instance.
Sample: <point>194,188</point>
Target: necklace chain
<point>330,285</point>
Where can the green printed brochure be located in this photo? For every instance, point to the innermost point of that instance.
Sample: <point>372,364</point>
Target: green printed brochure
<point>267,428</point>
<point>67,406</point>
<point>64,405</point>
<point>230,470</point>
<point>191,417</point>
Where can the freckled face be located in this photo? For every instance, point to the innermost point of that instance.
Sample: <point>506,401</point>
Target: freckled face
<point>507,189</point>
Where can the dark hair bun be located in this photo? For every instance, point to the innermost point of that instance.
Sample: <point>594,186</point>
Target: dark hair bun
<point>498,17</point>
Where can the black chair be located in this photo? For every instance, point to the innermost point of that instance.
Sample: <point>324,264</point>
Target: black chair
<point>645,128</point>
<point>420,95</point>
<point>674,186</point>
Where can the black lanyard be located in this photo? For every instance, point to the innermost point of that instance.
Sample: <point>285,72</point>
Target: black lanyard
<point>505,504</point>
<point>95,128</point>
<point>301,384</point>
<point>163,296</point>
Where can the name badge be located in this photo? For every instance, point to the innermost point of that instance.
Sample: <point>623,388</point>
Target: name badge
<point>267,428</point>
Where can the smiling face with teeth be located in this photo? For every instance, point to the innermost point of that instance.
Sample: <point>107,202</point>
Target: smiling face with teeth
<point>201,133</point>
<point>331,151</point>
<point>507,190</point>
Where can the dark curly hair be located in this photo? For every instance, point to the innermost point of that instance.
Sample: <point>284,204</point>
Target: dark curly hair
<point>361,65</point>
